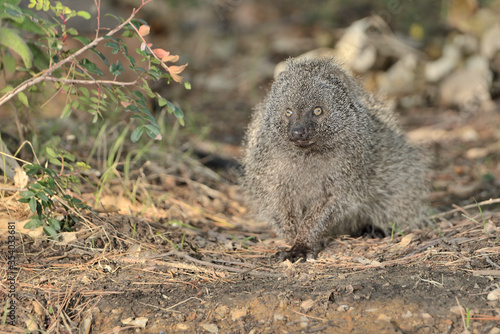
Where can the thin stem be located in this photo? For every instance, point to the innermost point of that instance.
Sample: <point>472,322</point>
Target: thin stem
<point>46,74</point>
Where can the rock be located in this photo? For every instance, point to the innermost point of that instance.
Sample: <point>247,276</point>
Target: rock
<point>221,311</point>
<point>343,308</point>
<point>182,326</point>
<point>438,69</point>
<point>238,313</point>
<point>140,321</point>
<point>383,317</point>
<point>279,317</point>
<point>407,315</point>
<point>494,295</point>
<point>306,305</point>
<point>211,328</point>
<point>457,310</point>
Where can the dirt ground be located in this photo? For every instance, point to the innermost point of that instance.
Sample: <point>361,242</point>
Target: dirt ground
<point>179,253</point>
<point>215,272</point>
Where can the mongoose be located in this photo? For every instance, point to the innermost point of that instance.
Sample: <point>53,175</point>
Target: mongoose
<point>321,155</point>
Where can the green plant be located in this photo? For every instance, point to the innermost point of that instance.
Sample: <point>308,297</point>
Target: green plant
<point>54,209</point>
<point>394,229</point>
<point>36,64</point>
<point>480,212</point>
<point>243,241</point>
<point>467,318</point>
<point>47,65</point>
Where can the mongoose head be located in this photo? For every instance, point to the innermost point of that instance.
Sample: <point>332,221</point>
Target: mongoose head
<point>313,104</point>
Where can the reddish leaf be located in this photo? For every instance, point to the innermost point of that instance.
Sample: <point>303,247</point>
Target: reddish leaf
<point>143,30</point>
<point>175,70</point>
<point>171,58</point>
<point>160,53</point>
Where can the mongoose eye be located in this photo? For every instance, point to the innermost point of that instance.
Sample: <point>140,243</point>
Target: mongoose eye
<point>288,112</point>
<point>317,111</point>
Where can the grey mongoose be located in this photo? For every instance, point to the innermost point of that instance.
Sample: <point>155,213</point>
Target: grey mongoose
<point>322,155</point>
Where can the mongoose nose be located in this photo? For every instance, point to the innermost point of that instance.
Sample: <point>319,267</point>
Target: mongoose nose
<point>298,133</point>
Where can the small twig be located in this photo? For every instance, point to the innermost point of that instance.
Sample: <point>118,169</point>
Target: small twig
<point>221,267</point>
<point>93,82</point>
<point>489,260</point>
<point>431,282</point>
<point>307,315</point>
<point>461,313</point>
<point>470,206</point>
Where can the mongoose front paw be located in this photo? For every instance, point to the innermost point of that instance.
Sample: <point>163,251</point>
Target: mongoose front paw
<point>298,253</point>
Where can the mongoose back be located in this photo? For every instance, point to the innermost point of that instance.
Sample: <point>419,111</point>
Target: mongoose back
<point>322,156</point>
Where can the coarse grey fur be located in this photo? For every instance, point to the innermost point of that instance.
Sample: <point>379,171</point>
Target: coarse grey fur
<point>338,169</point>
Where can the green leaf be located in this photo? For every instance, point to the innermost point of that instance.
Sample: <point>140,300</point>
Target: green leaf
<point>55,224</point>
<point>33,223</point>
<point>9,62</point>
<point>115,46</point>
<point>23,98</point>
<point>82,39</point>
<point>66,111</point>
<point>103,58</point>
<point>33,204</point>
<point>51,152</point>
<point>42,196</point>
<point>50,231</point>
<point>11,40</point>
<point>72,31</point>
<point>116,69</point>
<point>161,100</point>
<point>136,134</point>
<point>132,108</point>
<point>55,161</point>
<point>152,130</point>
<point>27,194</point>
<point>83,14</point>
<point>172,108</point>
<point>12,11</point>
<point>187,85</point>
<point>91,67</point>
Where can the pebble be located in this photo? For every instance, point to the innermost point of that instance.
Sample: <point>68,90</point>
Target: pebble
<point>306,305</point>
<point>343,308</point>
<point>238,313</point>
<point>211,328</point>
<point>494,295</point>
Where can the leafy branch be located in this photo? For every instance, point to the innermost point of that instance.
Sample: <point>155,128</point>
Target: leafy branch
<point>84,72</point>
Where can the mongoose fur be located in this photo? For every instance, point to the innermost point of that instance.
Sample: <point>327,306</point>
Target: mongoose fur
<point>322,156</point>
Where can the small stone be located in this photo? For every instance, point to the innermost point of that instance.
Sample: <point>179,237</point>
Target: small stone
<point>238,313</point>
<point>494,295</point>
<point>428,319</point>
<point>182,326</point>
<point>384,317</point>
<point>211,328</point>
<point>306,305</point>
<point>343,308</point>
<point>304,322</point>
<point>221,311</point>
<point>407,315</point>
<point>457,310</point>
<point>494,330</point>
<point>140,321</point>
<point>279,317</point>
